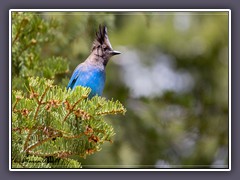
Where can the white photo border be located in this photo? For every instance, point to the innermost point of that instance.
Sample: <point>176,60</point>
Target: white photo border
<point>124,10</point>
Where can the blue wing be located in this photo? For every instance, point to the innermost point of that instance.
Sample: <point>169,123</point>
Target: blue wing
<point>74,78</point>
<point>86,76</point>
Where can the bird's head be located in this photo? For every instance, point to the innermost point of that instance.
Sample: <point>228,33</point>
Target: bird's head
<point>102,47</point>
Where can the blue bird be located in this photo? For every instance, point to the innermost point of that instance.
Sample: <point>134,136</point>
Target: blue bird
<point>91,73</point>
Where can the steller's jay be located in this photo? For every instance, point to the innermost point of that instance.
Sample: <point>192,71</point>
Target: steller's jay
<point>91,73</point>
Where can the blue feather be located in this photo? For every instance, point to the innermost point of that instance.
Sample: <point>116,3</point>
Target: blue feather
<point>88,76</point>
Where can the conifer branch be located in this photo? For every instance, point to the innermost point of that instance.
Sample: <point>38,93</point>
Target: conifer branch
<point>69,112</point>
<point>35,116</point>
<point>33,42</point>
<point>60,154</point>
<point>19,30</point>
<point>40,102</point>
<point>41,142</point>
<point>73,137</point>
<point>15,104</point>
<point>111,112</point>
<point>72,108</point>
<point>80,138</point>
<point>27,139</point>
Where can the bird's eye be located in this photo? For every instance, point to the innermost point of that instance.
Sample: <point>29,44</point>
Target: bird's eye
<point>105,48</point>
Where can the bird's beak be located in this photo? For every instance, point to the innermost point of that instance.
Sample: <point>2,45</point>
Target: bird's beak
<point>115,52</point>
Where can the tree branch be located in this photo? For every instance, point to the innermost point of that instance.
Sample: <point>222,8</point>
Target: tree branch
<point>41,142</point>
<point>72,109</point>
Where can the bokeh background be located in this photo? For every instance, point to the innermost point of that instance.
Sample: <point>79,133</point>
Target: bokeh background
<point>172,77</point>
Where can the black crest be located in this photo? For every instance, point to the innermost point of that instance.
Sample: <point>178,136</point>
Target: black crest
<point>101,34</point>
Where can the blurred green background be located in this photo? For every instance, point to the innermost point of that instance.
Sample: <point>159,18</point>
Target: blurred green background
<point>172,77</point>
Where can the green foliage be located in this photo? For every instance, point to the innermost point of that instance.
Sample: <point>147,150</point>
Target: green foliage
<point>50,122</point>
<point>29,34</point>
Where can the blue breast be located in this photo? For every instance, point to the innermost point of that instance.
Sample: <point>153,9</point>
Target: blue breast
<point>88,76</point>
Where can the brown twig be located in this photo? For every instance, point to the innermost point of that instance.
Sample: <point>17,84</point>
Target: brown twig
<point>61,154</point>
<point>110,112</point>
<point>40,102</point>
<point>20,129</point>
<point>73,137</point>
<point>14,106</point>
<point>18,33</point>
<point>41,142</point>
<point>67,115</point>
<point>27,139</point>
<point>72,109</point>
<point>35,116</point>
